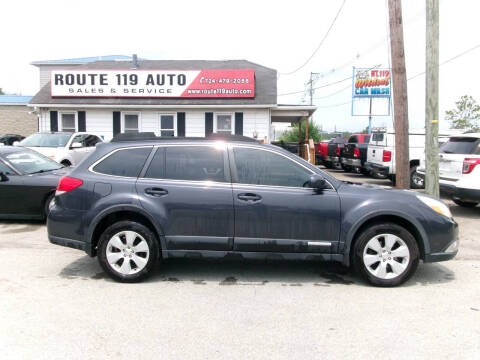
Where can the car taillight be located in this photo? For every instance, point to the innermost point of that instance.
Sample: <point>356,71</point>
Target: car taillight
<point>67,183</point>
<point>338,151</point>
<point>387,156</point>
<point>469,164</point>
<point>356,152</point>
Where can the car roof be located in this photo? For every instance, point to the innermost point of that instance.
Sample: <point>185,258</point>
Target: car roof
<point>150,137</point>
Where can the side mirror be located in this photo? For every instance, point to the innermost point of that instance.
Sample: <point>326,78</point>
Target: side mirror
<point>76,145</point>
<point>15,143</point>
<point>318,182</point>
<point>3,177</point>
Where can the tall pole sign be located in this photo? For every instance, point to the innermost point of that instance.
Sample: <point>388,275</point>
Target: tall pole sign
<point>400,105</point>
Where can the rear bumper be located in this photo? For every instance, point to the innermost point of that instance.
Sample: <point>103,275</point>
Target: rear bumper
<point>74,244</point>
<point>378,169</point>
<point>453,191</point>
<point>351,162</point>
<point>332,159</point>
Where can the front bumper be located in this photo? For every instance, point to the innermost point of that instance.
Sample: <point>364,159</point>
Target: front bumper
<point>351,162</point>
<point>448,234</point>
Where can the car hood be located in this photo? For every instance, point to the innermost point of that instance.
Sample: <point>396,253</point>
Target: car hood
<point>377,191</point>
<point>47,151</point>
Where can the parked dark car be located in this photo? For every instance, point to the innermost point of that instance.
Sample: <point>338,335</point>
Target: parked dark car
<point>132,203</point>
<point>355,153</point>
<point>334,152</point>
<point>9,139</point>
<point>27,183</point>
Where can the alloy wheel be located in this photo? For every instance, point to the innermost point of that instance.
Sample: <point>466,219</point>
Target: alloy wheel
<point>127,252</point>
<point>386,256</point>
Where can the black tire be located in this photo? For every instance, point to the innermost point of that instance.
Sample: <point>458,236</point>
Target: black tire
<point>46,205</point>
<point>327,164</point>
<point>385,228</point>
<point>416,181</point>
<point>346,168</point>
<point>466,204</point>
<point>393,179</point>
<point>150,239</point>
<point>66,163</point>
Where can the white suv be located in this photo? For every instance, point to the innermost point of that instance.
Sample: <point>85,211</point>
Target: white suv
<point>65,148</point>
<point>459,169</point>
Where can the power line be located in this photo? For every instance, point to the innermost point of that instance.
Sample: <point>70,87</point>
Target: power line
<point>325,85</point>
<point>334,93</point>
<point>448,60</point>
<point>321,42</point>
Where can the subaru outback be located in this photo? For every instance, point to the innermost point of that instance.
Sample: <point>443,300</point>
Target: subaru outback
<point>133,203</point>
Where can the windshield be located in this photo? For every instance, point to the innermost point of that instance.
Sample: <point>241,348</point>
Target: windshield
<point>46,140</point>
<point>30,162</point>
<point>459,145</point>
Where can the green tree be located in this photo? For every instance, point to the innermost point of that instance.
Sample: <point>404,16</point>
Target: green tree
<point>1,92</point>
<point>314,133</point>
<point>466,115</point>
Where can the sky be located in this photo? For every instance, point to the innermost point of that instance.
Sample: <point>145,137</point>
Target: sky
<point>281,35</point>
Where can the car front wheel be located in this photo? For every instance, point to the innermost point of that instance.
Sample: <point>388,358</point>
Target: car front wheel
<point>128,251</point>
<point>386,254</point>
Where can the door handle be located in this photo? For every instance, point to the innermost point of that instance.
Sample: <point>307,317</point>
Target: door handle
<point>249,197</point>
<point>156,192</point>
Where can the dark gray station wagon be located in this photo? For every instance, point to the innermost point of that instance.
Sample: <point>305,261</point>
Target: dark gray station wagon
<point>132,203</point>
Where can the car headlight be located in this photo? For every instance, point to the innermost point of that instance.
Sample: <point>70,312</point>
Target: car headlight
<point>436,205</point>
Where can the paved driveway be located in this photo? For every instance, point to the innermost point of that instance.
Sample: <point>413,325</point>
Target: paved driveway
<point>56,303</point>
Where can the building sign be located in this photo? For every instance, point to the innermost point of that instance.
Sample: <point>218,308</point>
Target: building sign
<point>215,83</point>
<point>371,82</point>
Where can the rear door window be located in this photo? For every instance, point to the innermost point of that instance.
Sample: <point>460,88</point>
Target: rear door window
<point>460,145</point>
<point>124,162</point>
<point>195,163</point>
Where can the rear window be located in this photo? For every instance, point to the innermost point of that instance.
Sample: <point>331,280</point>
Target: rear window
<point>124,162</point>
<point>377,136</point>
<point>460,145</point>
<point>195,163</point>
<point>353,139</point>
<point>366,139</point>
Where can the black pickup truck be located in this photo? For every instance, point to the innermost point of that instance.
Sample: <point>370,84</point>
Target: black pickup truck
<point>334,152</point>
<point>355,153</point>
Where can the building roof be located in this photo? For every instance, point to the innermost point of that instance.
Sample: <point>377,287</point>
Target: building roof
<point>14,99</point>
<point>83,60</point>
<point>265,85</point>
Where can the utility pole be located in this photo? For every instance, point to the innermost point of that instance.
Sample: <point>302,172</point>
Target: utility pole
<point>431,99</point>
<point>400,104</point>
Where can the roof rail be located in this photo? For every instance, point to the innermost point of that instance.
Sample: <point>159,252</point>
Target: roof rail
<point>150,136</point>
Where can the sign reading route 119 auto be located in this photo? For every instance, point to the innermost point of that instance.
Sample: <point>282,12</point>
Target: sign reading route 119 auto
<point>213,83</point>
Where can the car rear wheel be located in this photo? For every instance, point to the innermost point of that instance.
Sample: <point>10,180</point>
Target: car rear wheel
<point>386,254</point>
<point>416,180</point>
<point>467,204</point>
<point>66,163</point>
<point>128,251</point>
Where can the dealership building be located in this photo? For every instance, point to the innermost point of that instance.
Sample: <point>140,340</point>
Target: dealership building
<point>190,98</point>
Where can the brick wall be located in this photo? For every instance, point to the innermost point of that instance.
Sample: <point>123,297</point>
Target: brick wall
<point>15,119</point>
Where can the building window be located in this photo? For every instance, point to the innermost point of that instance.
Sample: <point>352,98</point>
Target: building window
<point>224,124</point>
<point>167,125</point>
<point>68,122</point>
<point>131,122</point>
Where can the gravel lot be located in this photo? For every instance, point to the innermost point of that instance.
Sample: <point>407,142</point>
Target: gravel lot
<point>56,303</point>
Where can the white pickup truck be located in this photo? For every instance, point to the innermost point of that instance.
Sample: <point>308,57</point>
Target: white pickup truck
<point>459,169</point>
<point>381,153</point>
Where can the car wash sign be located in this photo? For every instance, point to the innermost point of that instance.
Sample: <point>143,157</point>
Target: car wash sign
<point>213,83</point>
<point>371,83</point>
